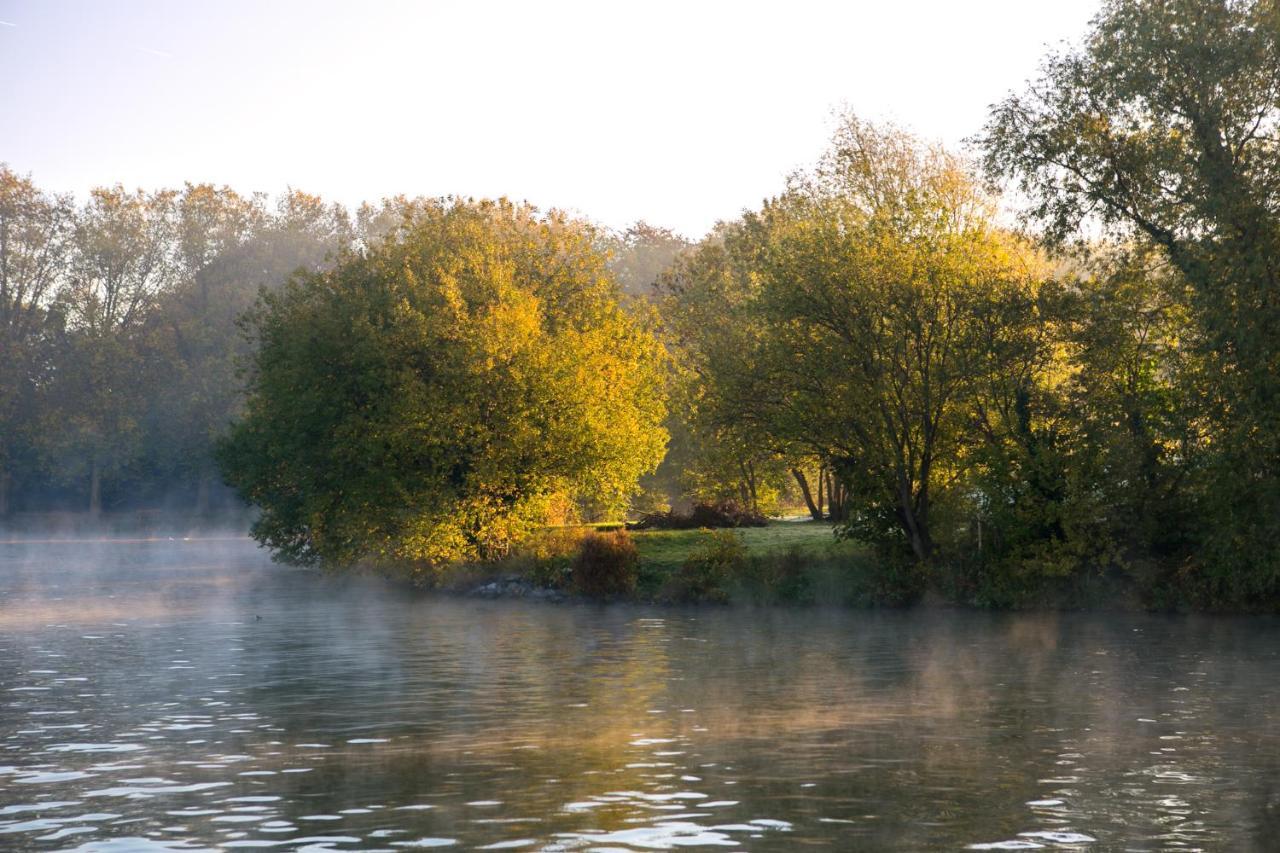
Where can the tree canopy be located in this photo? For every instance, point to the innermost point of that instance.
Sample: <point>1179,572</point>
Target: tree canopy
<point>1165,127</point>
<point>878,313</point>
<point>429,396</point>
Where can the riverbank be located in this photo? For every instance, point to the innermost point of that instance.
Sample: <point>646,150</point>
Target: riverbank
<point>785,562</point>
<point>790,563</point>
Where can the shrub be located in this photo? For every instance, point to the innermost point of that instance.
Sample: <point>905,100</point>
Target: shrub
<point>779,578</point>
<point>892,577</point>
<point>605,566</point>
<point>547,558</point>
<point>706,574</point>
<point>704,515</point>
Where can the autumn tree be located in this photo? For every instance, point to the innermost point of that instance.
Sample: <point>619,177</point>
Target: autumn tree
<point>35,231</point>
<point>121,263</point>
<point>887,306</point>
<point>426,398</point>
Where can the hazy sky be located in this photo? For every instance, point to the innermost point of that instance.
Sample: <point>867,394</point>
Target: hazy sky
<point>680,113</point>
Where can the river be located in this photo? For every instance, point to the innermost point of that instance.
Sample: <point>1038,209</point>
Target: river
<point>191,695</point>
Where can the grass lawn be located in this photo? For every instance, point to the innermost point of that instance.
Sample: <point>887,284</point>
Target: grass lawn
<point>830,564</point>
<point>827,565</point>
<point>664,551</point>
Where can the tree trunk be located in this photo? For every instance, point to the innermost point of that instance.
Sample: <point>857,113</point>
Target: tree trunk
<point>815,512</point>
<point>835,498</point>
<point>95,491</point>
<point>915,523</point>
<point>822,493</point>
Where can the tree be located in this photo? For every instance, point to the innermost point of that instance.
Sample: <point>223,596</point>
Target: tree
<point>719,448</point>
<point>1087,473</point>
<point>1136,394</point>
<point>428,396</point>
<point>1166,124</point>
<point>121,264</point>
<point>889,306</point>
<point>35,231</point>
<point>641,254</point>
<point>228,248</point>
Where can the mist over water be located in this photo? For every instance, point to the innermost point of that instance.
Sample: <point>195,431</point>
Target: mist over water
<point>191,695</point>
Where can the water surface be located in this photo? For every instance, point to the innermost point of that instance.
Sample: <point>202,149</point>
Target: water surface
<point>190,695</point>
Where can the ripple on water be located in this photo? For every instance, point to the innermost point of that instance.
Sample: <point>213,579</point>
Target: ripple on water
<point>426,842</point>
<point>95,747</point>
<point>573,729</point>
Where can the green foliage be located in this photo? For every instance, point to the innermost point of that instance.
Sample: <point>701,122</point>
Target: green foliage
<point>778,578</point>
<point>1163,126</point>
<point>889,577</point>
<point>605,566</point>
<point>720,450</point>
<point>430,397</point>
<point>118,325</point>
<point>35,231</point>
<point>709,570</point>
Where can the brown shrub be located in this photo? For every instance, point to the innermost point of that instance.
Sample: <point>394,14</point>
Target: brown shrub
<point>605,566</point>
<point>704,515</point>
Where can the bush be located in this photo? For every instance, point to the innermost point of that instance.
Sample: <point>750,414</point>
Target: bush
<point>704,515</point>
<point>706,574</point>
<point>779,578</point>
<point>547,558</point>
<point>605,566</point>
<point>892,577</point>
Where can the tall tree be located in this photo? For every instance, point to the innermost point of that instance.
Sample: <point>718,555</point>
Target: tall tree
<point>722,447</point>
<point>35,230</point>
<point>889,306</point>
<point>193,340</point>
<point>122,262</point>
<point>1167,123</point>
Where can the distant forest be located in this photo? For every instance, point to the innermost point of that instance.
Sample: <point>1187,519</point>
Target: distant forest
<point>998,407</point>
<point>121,349</point>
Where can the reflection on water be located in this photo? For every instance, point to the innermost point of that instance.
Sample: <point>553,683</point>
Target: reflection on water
<point>191,696</point>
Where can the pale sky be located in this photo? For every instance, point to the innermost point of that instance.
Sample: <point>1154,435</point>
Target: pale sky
<point>680,113</point>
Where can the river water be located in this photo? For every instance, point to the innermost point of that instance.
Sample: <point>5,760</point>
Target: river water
<point>190,695</point>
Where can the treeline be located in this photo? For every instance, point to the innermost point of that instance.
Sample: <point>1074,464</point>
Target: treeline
<point>121,353</point>
<point>998,423</point>
<point>1086,407</point>
<point>118,337</point>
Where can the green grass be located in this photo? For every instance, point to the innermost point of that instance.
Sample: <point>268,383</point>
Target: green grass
<point>829,566</point>
<point>663,551</point>
<point>829,561</point>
